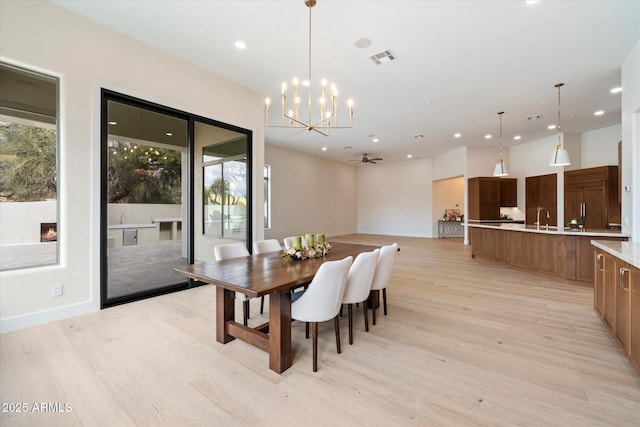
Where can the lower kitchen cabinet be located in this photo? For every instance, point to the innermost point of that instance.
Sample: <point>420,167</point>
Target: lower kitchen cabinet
<point>616,300</point>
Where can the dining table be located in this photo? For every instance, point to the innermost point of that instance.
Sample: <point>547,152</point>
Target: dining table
<point>258,275</point>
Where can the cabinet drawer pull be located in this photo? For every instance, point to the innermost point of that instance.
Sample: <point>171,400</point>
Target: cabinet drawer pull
<point>600,258</point>
<point>623,283</point>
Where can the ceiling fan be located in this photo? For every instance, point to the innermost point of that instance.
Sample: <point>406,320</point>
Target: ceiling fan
<point>366,159</point>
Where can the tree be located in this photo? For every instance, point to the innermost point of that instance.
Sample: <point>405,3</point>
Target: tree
<point>143,174</point>
<point>27,162</point>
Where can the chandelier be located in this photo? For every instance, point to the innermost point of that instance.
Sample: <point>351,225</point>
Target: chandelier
<point>500,169</point>
<point>326,116</point>
<point>560,156</point>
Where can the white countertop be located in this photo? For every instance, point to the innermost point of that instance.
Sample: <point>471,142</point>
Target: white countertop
<point>626,251</point>
<point>551,230</point>
<point>172,219</point>
<point>121,226</point>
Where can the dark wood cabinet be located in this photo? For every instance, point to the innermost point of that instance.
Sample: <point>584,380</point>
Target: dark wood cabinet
<point>592,195</point>
<point>508,192</point>
<point>541,191</point>
<point>488,194</point>
<point>616,299</point>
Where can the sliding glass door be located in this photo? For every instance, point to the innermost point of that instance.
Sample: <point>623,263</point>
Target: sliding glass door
<point>173,186</point>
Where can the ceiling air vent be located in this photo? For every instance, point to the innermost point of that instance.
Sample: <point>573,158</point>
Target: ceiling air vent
<point>383,57</point>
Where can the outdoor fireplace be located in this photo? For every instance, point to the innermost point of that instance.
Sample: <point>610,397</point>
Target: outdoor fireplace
<point>48,232</point>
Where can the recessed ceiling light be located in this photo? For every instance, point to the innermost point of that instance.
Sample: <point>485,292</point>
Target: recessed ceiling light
<point>324,148</point>
<point>409,156</point>
<point>347,147</point>
<point>534,117</point>
<point>112,123</point>
<point>616,89</point>
<point>168,134</point>
<point>457,135</point>
<point>375,140</point>
<point>531,2</point>
<point>551,127</point>
<point>363,43</point>
<point>517,137</point>
<point>418,136</point>
<point>598,113</point>
<point>487,136</point>
<point>240,45</point>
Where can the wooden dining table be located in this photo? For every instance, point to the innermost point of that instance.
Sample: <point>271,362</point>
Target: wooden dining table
<point>258,275</point>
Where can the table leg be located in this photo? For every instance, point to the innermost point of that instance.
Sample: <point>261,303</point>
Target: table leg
<point>280,352</point>
<point>225,311</point>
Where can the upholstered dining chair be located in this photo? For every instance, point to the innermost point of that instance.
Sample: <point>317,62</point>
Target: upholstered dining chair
<point>269,245</point>
<point>235,250</point>
<point>322,300</point>
<point>262,246</point>
<point>288,242</point>
<point>359,286</point>
<point>382,275</point>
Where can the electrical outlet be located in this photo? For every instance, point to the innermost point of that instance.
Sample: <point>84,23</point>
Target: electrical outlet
<point>56,290</point>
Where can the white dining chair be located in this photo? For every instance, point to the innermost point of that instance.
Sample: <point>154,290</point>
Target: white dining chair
<point>359,286</point>
<point>268,245</point>
<point>263,246</point>
<point>382,275</point>
<point>235,250</point>
<point>322,300</point>
<point>288,242</point>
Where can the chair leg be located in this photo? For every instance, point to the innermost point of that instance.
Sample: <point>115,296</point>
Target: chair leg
<point>350,311</point>
<point>373,308</point>
<point>306,330</point>
<point>315,346</point>
<point>384,300</point>
<point>336,322</point>
<point>262,304</point>
<point>245,312</point>
<point>366,316</point>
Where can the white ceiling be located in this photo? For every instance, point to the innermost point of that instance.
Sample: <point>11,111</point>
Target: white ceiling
<point>459,63</point>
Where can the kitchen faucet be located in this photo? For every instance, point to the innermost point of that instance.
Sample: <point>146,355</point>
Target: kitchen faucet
<point>540,209</point>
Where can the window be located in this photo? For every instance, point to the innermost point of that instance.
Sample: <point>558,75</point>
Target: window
<point>267,196</point>
<point>29,229</point>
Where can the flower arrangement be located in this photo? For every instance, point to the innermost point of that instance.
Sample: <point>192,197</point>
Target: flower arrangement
<point>314,248</point>
<point>575,223</point>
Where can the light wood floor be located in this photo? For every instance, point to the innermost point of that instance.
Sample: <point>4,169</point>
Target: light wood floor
<point>467,342</point>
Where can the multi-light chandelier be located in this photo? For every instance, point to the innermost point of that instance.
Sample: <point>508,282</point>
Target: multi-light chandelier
<point>500,169</point>
<point>293,117</point>
<point>560,156</point>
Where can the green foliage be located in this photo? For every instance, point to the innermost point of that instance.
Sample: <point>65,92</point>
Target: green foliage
<point>27,163</point>
<point>143,174</point>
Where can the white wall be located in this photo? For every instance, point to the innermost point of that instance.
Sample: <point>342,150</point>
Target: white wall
<point>600,147</point>
<point>310,194</point>
<point>631,143</point>
<point>87,56</point>
<point>395,198</point>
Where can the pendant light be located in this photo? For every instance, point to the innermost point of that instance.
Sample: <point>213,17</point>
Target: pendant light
<point>560,156</point>
<point>500,169</point>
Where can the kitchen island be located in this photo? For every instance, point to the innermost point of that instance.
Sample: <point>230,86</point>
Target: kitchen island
<point>564,253</point>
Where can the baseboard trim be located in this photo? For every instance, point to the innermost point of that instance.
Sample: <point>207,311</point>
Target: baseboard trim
<point>23,321</point>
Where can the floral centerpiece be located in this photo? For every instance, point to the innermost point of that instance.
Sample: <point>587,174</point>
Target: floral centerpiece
<point>575,223</point>
<point>314,248</point>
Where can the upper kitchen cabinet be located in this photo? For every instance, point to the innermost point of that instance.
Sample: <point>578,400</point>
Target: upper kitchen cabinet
<point>508,192</point>
<point>541,192</point>
<point>488,194</point>
<point>592,194</point>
